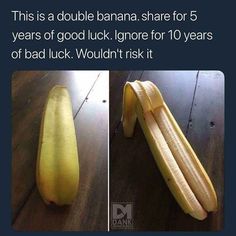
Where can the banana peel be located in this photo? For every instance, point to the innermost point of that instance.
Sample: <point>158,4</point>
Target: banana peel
<point>177,161</point>
<point>57,168</point>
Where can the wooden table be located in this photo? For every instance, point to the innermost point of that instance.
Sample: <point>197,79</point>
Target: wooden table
<point>89,95</point>
<point>196,99</point>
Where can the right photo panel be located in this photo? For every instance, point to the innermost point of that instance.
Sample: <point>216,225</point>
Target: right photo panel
<point>166,150</point>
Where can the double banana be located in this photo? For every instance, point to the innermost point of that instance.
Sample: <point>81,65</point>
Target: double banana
<point>178,163</point>
<point>57,170</point>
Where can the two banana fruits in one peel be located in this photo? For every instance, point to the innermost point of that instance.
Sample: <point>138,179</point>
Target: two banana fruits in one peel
<point>178,163</point>
<point>57,168</point>
<point>57,171</point>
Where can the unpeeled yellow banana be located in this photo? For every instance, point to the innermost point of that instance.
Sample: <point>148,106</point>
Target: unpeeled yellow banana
<point>178,163</point>
<point>57,170</point>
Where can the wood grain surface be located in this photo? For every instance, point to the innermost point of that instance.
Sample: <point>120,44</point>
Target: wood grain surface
<point>89,95</point>
<point>196,99</point>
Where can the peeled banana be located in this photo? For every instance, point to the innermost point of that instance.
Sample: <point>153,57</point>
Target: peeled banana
<point>57,170</point>
<point>178,163</point>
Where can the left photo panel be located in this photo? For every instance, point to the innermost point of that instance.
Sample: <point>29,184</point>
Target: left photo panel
<point>60,150</point>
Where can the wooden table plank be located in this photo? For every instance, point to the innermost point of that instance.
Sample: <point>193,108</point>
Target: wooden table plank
<point>134,176</point>
<point>89,210</point>
<point>206,134</point>
<point>18,84</point>
<point>29,94</point>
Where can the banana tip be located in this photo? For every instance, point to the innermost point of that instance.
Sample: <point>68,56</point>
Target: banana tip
<point>199,215</point>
